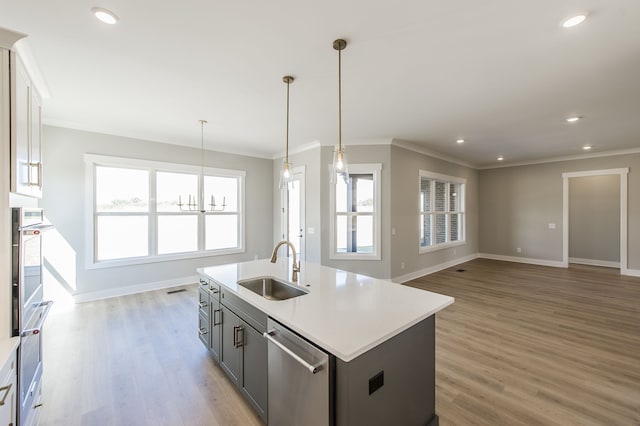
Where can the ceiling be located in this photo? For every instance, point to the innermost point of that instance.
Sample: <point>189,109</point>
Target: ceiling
<point>501,74</point>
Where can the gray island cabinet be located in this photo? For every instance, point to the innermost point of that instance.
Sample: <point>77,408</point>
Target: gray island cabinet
<point>379,338</point>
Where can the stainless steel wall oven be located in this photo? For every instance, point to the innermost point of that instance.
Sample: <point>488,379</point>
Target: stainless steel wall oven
<point>29,310</point>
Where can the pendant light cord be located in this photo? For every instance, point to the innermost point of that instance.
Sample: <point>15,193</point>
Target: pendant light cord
<point>287,146</point>
<point>340,100</point>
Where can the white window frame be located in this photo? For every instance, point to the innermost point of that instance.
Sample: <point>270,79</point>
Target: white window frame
<point>92,160</point>
<point>463,226</point>
<point>374,169</point>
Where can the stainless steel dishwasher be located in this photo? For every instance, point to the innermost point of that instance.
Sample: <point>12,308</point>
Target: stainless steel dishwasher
<point>299,379</point>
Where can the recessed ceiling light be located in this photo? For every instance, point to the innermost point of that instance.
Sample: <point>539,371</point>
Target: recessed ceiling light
<point>587,147</point>
<point>460,141</point>
<point>500,158</point>
<point>573,21</point>
<point>105,15</point>
<point>573,119</point>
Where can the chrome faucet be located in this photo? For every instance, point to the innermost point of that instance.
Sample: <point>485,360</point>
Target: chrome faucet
<point>296,264</point>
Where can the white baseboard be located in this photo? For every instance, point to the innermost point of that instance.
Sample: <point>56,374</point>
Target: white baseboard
<point>140,288</point>
<point>631,272</point>
<point>594,262</point>
<point>430,270</point>
<point>542,262</point>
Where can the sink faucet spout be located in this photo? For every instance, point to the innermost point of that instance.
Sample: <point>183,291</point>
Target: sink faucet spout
<point>296,264</point>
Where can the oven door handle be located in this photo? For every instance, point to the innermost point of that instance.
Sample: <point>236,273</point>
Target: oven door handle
<point>38,328</point>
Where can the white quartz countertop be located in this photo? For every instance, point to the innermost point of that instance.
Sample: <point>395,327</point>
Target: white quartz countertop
<point>347,314</point>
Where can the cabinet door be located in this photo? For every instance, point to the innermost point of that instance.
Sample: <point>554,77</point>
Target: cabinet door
<point>216,328</point>
<point>35,163</point>
<point>8,381</point>
<point>254,369</point>
<point>20,127</point>
<point>229,349</point>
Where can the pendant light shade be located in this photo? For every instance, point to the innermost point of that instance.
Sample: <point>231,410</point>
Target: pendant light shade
<point>339,167</point>
<point>286,174</point>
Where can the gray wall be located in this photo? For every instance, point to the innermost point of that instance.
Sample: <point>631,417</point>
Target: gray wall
<point>405,215</point>
<point>517,203</point>
<point>64,204</point>
<point>594,218</point>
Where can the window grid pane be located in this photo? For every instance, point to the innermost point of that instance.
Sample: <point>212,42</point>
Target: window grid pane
<point>440,196</point>
<point>177,234</point>
<point>120,237</point>
<point>221,231</point>
<point>121,190</point>
<point>174,188</point>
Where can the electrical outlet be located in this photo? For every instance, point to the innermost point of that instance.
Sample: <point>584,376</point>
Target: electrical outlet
<point>454,251</point>
<point>552,226</point>
<point>393,231</point>
<point>519,250</point>
<point>401,265</point>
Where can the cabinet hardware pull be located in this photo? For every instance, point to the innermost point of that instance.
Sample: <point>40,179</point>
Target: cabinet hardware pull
<point>202,331</point>
<point>203,282</point>
<point>214,317</point>
<point>6,390</point>
<point>203,304</point>
<point>214,290</point>
<point>38,167</point>
<point>240,340</point>
<point>235,336</point>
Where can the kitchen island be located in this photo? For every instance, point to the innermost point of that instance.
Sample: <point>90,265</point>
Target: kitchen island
<point>380,337</point>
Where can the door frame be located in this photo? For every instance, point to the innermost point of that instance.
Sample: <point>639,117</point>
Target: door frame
<point>298,173</point>
<point>623,173</point>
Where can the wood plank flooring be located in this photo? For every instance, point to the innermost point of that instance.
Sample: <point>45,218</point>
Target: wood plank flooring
<point>135,360</point>
<point>522,345</point>
<point>534,345</point>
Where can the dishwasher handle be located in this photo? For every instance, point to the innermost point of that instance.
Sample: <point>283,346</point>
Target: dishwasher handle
<point>313,369</point>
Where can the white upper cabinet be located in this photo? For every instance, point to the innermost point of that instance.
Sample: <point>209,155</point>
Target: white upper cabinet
<point>26,132</point>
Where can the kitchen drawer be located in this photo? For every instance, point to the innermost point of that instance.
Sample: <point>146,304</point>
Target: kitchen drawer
<point>204,330</point>
<point>204,302</point>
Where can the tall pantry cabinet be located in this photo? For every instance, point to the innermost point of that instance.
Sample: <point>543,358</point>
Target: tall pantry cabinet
<point>20,173</point>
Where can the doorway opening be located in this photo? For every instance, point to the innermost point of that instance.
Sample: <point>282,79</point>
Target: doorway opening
<point>293,211</point>
<point>566,238</point>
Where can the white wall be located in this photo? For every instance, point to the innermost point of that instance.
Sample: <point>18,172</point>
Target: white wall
<point>64,204</point>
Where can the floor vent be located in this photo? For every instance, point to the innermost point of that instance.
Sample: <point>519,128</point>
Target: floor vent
<point>180,290</point>
<point>461,270</point>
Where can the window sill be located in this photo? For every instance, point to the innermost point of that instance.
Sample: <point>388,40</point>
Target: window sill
<point>441,246</point>
<point>160,258</point>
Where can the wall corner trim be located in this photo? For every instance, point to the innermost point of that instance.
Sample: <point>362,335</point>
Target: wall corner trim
<point>531,261</point>
<point>432,269</point>
<point>139,288</point>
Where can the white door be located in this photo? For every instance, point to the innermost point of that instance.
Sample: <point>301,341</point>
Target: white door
<point>293,223</point>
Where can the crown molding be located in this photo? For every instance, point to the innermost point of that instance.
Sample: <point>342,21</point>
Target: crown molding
<point>425,151</point>
<point>29,61</point>
<point>306,147</point>
<point>565,158</point>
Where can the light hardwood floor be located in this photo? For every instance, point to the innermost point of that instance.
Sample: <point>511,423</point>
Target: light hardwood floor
<point>522,345</point>
<point>534,345</point>
<point>135,360</point>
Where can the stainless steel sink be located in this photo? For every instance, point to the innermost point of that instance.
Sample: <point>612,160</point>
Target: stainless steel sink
<point>271,288</point>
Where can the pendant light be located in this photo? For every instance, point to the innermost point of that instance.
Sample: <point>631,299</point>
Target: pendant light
<point>339,167</point>
<point>286,174</point>
<point>192,202</point>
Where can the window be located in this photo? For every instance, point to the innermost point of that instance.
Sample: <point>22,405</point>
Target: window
<point>442,220</point>
<point>355,214</point>
<point>135,216</point>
